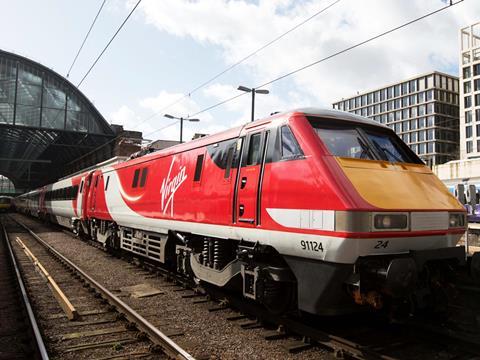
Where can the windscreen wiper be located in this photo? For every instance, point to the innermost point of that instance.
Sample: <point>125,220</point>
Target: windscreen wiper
<point>386,151</point>
<point>365,149</point>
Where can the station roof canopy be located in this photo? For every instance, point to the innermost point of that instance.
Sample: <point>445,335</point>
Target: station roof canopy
<point>45,122</point>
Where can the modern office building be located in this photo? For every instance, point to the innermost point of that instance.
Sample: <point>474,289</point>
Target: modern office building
<point>470,92</point>
<point>423,111</point>
<point>467,169</point>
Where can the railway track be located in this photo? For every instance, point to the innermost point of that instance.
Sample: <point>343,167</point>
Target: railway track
<point>361,337</point>
<point>105,327</point>
<point>20,337</point>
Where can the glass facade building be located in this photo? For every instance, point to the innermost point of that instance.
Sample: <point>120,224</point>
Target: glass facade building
<point>6,186</point>
<point>45,122</point>
<point>31,96</point>
<point>423,111</point>
<point>470,92</point>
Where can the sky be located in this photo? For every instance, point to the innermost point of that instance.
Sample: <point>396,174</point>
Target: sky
<point>170,47</point>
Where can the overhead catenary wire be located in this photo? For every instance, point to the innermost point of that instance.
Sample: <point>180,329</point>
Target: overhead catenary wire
<point>86,37</point>
<point>337,53</point>
<point>308,65</point>
<point>119,137</point>
<point>162,128</point>
<point>245,58</point>
<point>109,42</point>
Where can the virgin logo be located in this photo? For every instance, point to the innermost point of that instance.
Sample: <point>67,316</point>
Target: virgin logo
<point>170,186</point>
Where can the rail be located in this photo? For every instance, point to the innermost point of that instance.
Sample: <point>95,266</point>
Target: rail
<point>31,317</point>
<point>156,336</point>
<point>62,299</point>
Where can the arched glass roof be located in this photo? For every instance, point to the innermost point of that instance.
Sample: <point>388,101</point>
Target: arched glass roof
<point>6,186</point>
<point>45,121</point>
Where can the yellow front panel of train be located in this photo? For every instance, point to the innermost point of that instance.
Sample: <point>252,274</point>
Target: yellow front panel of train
<point>398,186</point>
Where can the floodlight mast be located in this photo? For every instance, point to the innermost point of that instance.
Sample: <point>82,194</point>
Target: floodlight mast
<point>253,91</point>
<point>181,123</point>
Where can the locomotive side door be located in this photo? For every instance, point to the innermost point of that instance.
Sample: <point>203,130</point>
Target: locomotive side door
<point>86,188</point>
<point>249,179</point>
<point>92,195</point>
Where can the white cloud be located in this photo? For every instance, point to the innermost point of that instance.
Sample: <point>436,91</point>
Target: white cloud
<point>171,103</point>
<point>154,125</point>
<point>124,116</point>
<point>239,27</point>
<point>265,104</point>
<point>236,28</point>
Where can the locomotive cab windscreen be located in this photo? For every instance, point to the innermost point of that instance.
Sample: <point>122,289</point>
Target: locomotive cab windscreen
<point>361,141</point>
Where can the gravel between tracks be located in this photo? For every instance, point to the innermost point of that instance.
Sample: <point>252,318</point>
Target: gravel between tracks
<point>205,334</point>
<point>55,325</point>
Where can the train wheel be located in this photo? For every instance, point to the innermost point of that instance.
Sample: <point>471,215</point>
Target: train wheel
<point>278,296</point>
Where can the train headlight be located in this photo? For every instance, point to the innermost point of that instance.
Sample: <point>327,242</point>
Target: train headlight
<point>456,220</point>
<point>390,221</point>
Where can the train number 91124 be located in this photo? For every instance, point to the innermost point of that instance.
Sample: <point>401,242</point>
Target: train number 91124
<point>311,246</point>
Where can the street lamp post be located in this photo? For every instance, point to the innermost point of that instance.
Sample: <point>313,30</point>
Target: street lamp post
<point>181,123</point>
<point>253,91</point>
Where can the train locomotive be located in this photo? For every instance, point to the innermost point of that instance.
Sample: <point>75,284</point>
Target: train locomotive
<point>5,203</point>
<point>314,210</point>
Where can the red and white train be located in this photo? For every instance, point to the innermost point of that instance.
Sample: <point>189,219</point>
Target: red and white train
<point>316,210</point>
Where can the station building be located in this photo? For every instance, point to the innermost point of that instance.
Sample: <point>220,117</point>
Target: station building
<point>470,92</point>
<point>423,111</point>
<point>466,170</point>
<point>49,128</point>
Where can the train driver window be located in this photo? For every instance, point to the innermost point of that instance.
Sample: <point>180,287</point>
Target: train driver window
<point>344,142</point>
<point>290,147</point>
<point>81,187</point>
<point>254,149</point>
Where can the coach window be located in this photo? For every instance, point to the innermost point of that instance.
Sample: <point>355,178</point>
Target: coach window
<point>198,168</point>
<point>143,179</point>
<point>135,178</point>
<point>290,147</point>
<point>81,187</point>
<point>254,149</point>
